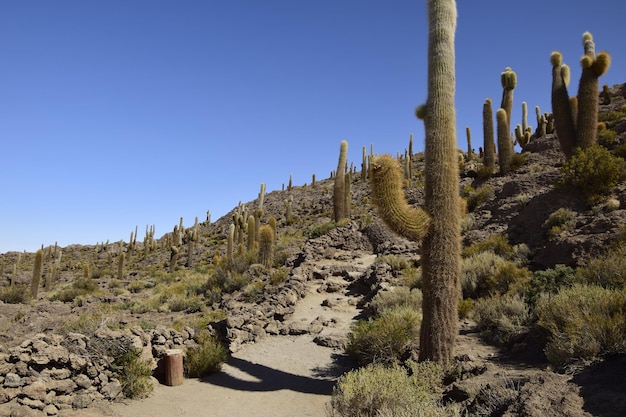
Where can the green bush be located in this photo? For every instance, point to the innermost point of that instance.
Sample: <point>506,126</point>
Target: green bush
<point>377,390</point>
<point>503,318</point>
<point>321,230</point>
<point>15,294</point>
<point>498,244</point>
<point>396,262</point>
<point>594,172</point>
<point>134,374</point>
<point>548,281</point>
<point>583,322</point>
<point>387,338</point>
<point>206,358</point>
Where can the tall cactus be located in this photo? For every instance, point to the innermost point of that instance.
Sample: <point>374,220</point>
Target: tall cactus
<point>505,147</point>
<point>442,244</point>
<point>266,246</point>
<point>339,198</point>
<point>489,159</point>
<point>576,120</point>
<point>508,79</point>
<point>470,152</point>
<point>37,270</point>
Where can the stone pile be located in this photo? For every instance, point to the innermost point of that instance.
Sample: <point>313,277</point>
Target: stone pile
<point>51,372</point>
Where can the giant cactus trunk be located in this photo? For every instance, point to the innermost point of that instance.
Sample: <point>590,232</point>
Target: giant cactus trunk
<point>442,245</point>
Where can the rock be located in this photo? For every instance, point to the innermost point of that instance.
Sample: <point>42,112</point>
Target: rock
<point>81,401</point>
<point>82,381</point>
<point>112,389</point>
<point>12,381</point>
<point>36,404</point>
<point>334,341</point>
<point>51,410</point>
<point>35,391</point>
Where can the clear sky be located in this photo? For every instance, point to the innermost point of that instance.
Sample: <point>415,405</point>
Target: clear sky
<point>120,113</point>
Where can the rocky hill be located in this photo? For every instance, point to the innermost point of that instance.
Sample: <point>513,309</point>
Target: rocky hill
<point>157,294</point>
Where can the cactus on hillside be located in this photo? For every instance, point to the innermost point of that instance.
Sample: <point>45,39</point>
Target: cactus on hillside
<point>489,158</point>
<point>470,152</point>
<point>339,197</point>
<point>120,266</point>
<point>505,147</point>
<point>441,251</point>
<point>576,118</point>
<point>37,270</point>
<point>508,79</point>
<point>266,246</point>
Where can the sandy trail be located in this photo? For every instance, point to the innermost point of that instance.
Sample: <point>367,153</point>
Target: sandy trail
<point>279,376</point>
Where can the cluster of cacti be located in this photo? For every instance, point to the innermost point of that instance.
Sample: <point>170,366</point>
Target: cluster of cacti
<point>523,132</point>
<point>149,243</point>
<point>576,119</point>
<point>441,244</point>
<point>339,189</point>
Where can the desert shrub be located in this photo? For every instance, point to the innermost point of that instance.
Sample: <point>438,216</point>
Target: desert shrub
<point>134,374</point>
<point>548,281</point>
<point>518,160</point>
<point>478,196</point>
<point>377,390</point>
<point>606,136</point>
<point>84,323</point>
<point>387,338</point>
<point>411,277</point>
<point>396,262</point>
<point>583,321</point>
<point>396,297</point>
<point>321,230</point>
<point>607,270</point>
<point>136,286</point>
<point>81,287</point>
<point>279,276</point>
<point>487,273</point>
<point>498,244</point>
<point>15,294</point>
<point>559,221</point>
<point>466,306</point>
<point>186,303</point>
<point>206,358</point>
<point>484,172</point>
<point>594,172</point>
<point>503,318</point>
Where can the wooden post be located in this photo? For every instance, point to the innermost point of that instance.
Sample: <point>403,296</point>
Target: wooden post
<point>173,367</point>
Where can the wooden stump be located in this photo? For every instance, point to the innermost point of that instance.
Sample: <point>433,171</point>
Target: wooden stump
<point>173,367</point>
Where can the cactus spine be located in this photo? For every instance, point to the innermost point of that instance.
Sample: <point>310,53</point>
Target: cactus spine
<point>489,159</point>
<point>442,244</point>
<point>339,190</point>
<point>37,270</point>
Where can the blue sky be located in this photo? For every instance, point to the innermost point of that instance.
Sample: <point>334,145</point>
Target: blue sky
<point>120,113</point>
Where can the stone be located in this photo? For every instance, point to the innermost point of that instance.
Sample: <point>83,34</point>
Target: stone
<point>111,390</point>
<point>63,386</point>
<point>82,401</point>
<point>36,404</point>
<point>82,381</point>
<point>35,391</point>
<point>51,410</point>
<point>12,381</point>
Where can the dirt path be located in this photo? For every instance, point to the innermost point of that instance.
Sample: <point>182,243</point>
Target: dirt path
<point>278,376</point>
